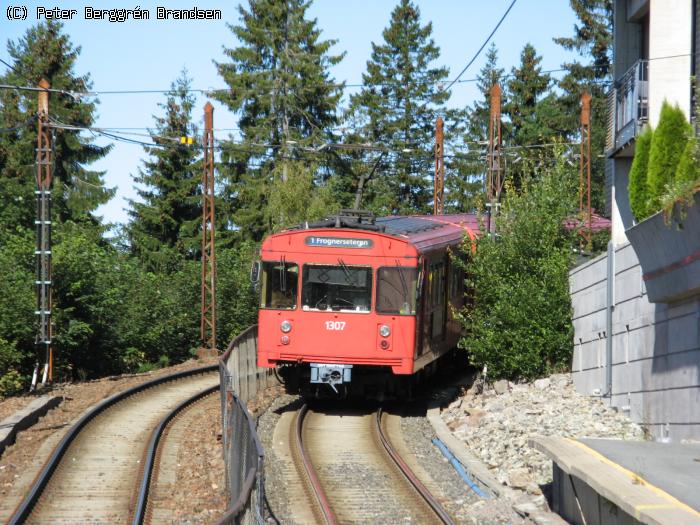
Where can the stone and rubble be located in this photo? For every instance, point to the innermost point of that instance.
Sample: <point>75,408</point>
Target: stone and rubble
<point>496,423</point>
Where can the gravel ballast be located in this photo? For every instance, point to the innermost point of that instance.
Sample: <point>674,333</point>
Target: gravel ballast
<point>496,425</point>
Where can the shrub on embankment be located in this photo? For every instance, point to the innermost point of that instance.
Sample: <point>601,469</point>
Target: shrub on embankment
<point>520,323</point>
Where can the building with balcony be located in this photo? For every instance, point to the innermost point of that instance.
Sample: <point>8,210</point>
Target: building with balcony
<point>636,317</point>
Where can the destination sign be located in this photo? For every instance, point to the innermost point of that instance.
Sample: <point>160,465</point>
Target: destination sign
<point>337,242</point>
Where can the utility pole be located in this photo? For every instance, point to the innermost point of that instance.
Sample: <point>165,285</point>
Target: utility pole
<point>208,311</point>
<point>43,282</point>
<point>585,211</point>
<point>439,177</point>
<point>494,178</point>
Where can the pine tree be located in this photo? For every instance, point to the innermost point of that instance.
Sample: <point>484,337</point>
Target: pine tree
<point>46,52</point>
<point>281,88</point>
<point>165,222</point>
<point>592,37</point>
<point>400,102</point>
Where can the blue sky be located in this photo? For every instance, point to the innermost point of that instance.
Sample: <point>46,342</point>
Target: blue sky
<point>150,54</point>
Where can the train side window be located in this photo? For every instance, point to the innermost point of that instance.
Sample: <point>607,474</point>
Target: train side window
<point>396,290</point>
<point>278,285</point>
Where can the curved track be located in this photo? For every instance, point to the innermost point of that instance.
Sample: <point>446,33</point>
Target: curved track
<point>354,474</point>
<point>93,474</point>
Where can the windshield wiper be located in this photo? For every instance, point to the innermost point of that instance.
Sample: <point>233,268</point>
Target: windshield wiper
<point>348,274</point>
<point>283,274</point>
<point>403,280</point>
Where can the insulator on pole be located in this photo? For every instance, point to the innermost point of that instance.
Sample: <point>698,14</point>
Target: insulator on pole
<point>439,176</point>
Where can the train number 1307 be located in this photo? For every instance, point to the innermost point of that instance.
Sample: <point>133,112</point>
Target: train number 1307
<point>335,325</point>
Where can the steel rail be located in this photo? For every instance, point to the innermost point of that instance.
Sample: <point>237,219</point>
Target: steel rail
<point>410,476</point>
<point>25,508</point>
<point>310,471</point>
<point>149,464</point>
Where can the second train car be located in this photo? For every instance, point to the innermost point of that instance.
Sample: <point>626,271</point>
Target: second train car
<point>358,305</point>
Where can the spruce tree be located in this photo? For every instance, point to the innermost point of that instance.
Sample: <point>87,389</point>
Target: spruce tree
<point>286,100</point>
<point>480,112</point>
<point>593,38</point>
<point>165,222</point>
<point>400,101</point>
<point>46,52</point>
<point>527,87</point>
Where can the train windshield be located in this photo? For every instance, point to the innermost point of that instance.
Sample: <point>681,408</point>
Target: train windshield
<point>279,283</point>
<point>339,288</point>
<point>397,290</point>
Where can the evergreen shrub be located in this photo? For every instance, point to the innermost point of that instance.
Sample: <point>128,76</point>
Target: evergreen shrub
<point>638,185</point>
<point>667,145</point>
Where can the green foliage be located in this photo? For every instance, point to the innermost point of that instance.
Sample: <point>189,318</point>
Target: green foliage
<point>687,170</point>
<point>667,145</point>
<point>282,90</point>
<point>520,322</point>
<point>165,221</point>
<point>237,301</point>
<point>399,104</point>
<point>638,185</point>
<point>532,116</point>
<point>46,52</point>
<point>10,378</point>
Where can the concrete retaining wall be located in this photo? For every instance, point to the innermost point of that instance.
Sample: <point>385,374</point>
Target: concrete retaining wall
<point>655,347</point>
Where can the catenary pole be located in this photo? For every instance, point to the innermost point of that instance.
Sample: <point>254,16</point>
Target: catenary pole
<point>208,306</point>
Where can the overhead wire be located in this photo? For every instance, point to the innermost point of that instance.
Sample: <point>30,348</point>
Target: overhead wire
<point>488,39</point>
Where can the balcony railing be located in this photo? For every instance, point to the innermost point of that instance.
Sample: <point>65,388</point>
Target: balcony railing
<point>628,106</point>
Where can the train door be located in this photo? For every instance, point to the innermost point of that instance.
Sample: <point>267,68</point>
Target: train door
<point>437,300</point>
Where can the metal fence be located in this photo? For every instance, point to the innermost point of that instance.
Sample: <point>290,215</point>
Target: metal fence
<point>241,380</point>
<point>241,361</point>
<point>628,105</point>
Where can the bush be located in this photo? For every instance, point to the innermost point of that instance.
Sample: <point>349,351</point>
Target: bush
<point>638,184</point>
<point>520,321</point>
<point>687,170</point>
<point>10,378</point>
<point>667,145</point>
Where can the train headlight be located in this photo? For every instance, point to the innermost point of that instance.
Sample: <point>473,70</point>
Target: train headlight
<point>286,327</point>
<point>384,331</point>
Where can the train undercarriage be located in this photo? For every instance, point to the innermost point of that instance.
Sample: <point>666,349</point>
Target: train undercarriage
<point>339,381</point>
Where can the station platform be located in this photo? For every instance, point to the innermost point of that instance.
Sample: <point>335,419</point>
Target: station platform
<point>610,482</point>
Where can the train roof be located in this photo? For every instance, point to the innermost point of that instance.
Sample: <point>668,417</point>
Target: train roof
<point>425,232</point>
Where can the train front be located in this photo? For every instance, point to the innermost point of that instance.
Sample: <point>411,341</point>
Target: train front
<point>338,310</point>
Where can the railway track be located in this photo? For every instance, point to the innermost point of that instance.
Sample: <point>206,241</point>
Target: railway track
<point>100,471</point>
<point>353,473</point>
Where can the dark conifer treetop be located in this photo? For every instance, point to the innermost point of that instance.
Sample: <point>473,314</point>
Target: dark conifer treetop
<point>46,52</point>
<point>400,102</point>
<point>284,95</point>
<point>166,221</point>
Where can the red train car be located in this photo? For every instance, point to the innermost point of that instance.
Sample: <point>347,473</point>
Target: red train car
<point>357,304</point>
